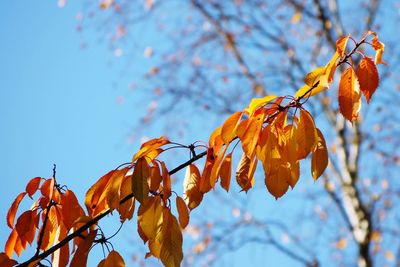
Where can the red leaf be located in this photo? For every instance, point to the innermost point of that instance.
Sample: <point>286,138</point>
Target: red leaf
<point>13,209</point>
<point>368,77</point>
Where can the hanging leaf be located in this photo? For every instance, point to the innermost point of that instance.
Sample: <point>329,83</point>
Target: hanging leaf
<point>127,208</point>
<point>378,46</point>
<point>13,209</point>
<point>229,127</point>
<point>276,180</point>
<point>349,95</point>
<point>319,160</point>
<point>140,187</point>
<point>306,134</point>
<point>94,193</point>
<point>245,172</point>
<point>191,187</point>
<point>70,209</point>
<point>81,254</point>
<point>171,254</point>
<point>166,181</point>
<point>150,217</point>
<point>113,259</point>
<point>368,77</point>
<point>183,212</point>
<point>226,172</point>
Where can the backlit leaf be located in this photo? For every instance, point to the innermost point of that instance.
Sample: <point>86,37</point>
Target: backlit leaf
<point>114,259</point>
<point>379,47</point>
<point>306,134</point>
<point>226,172</point>
<point>341,44</point>
<point>349,95</point>
<point>81,254</point>
<point>150,146</point>
<point>183,212</point>
<point>368,77</point>
<point>258,102</point>
<point>276,181</point>
<point>171,253</point>
<point>13,209</point>
<point>127,208</point>
<point>229,127</point>
<point>166,181</point>
<point>33,186</point>
<point>70,209</point>
<point>191,187</point>
<point>319,160</point>
<point>150,217</point>
<point>95,191</point>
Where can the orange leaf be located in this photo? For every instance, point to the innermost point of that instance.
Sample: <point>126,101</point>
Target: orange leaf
<point>229,127</point>
<point>127,208</point>
<point>191,187</point>
<point>368,77</point>
<point>182,212</point>
<point>95,191</point>
<point>13,209</point>
<point>225,172</point>
<point>306,134</point>
<point>70,209</point>
<point>319,160</point>
<point>250,137</point>
<point>276,181</point>
<point>205,183</point>
<point>81,254</point>
<point>166,182</point>
<point>155,178</point>
<point>60,257</point>
<point>150,146</point>
<point>47,188</point>
<point>341,44</point>
<point>245,172</point>
<point>379,47</point>
<point>217,166</point>
<point>33,186</point>
<point>349,95</point>
<point>12,243</point>
<point>114,260</point>
<point>112,192</point>
<point>5,261</point>
<point>140,187</point>
<point>26,226</point>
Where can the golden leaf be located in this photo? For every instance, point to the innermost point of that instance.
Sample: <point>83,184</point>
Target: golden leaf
<point>258,102</point>
<point>191,187</point>
<point>150,217</point>
<point>229,127</point>
<point>349,95</point>
<point>140,187</point>
<point>183,212</point>
<point>306,134</point>
<point>171,253</point>
<point>113,260</point>
<point>319,160</point>
<point>226,172</point>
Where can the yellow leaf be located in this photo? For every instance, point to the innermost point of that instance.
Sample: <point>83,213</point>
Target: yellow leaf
<point>150,217</point>
<point>182,212</point>
<point>217,166</point>
<point>368,77</point>
<point>319,160</point>
<point>166,181</point>
<point>112,192</point>
<point>191,187</point>
<point>379,47</point>
<point>306,134</point>
<point>250,137</point>
<point>140,187</point>
<point>229,127</point>
<point>171,254</point>
<point>225,172</point>
<point>313,77</point>
<point>349,95</point>
<point>114,260</point>
<point>258,102</point>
